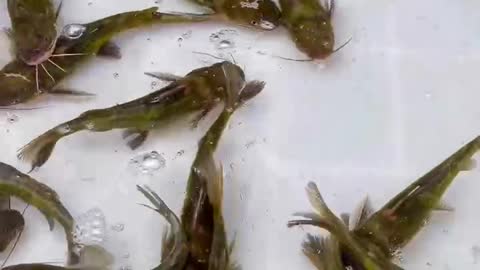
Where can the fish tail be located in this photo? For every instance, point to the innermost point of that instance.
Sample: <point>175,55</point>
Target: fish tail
<point>38,151</point>
<point>160,206</point>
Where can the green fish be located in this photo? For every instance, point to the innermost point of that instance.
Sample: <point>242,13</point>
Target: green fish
<point>260,14</point>
<point>16,184</point>
<point>324,218</point>
<point>201,215</point>
<point>398,221</point>
<point>20,82</point>
<point>198,91</point>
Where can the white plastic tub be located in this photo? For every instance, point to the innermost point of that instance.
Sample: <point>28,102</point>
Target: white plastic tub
<point>400,98</point>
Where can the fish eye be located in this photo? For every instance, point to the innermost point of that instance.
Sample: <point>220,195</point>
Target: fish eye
<point>253,23</point>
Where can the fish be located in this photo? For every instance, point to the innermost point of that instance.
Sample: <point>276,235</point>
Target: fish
<point>34,29</point>
<point>20,82</point>
<point>200,215</point>
<point>309,24</point>
<point>174,242</point>
<point>324,218</point>
<point>198,91</point>
<point>17,184</point>
<point>401,218</point>
<point>259,14</point>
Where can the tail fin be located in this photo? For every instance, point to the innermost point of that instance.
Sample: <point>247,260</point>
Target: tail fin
<point>38,151</point>
<point>174,240</point>
<point>323,252</point>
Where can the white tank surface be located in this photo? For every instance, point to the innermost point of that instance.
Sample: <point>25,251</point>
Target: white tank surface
<point>368,120</point>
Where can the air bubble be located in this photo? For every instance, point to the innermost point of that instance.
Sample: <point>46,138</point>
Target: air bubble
<point>90,227</point>
<point>149,162</point>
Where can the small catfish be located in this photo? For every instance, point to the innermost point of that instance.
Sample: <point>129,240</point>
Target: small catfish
<point>198,91</point>
<point>326,219</point>
<point>309,24</point>
<point>16,184</point>
<point>34,29</point>
<point>20,82</point>
<point>174,241</point>
<point>261,14</point>
<point>198,215</point>
<point>396,223</point>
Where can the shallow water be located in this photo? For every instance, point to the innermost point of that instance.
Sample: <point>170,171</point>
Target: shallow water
<point>396,101</point>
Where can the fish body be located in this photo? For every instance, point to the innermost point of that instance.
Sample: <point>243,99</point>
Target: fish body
<point>396,223</point>
<point>260,14</point>
<point>20,82</point>
<point>34,29</point>
<point>16,184</point>
<point>199,90</point>
<point>201,216</point>
<point>309,24</point>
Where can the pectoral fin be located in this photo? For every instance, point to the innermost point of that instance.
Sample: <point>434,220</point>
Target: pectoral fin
<point>110,50</point>
<point>168,77</point>
<point>135,137</point>
<point>442,206</point>
<point>468,165</point>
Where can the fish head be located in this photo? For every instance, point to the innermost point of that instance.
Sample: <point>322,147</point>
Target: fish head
<point>260,14</point>
<point>34,29</point>
<point>315,38</point>
<point>34,47</point>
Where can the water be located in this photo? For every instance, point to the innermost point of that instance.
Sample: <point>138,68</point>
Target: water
<point>90,227</point>
<point>12,118</point>
<point>382,111</point>
<point>224,40</point>
<point>148,163</point>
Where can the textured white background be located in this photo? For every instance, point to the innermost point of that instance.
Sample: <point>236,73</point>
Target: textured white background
<point>392,104</point>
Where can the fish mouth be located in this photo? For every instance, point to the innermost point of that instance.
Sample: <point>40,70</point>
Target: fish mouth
<point>39,58</point>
